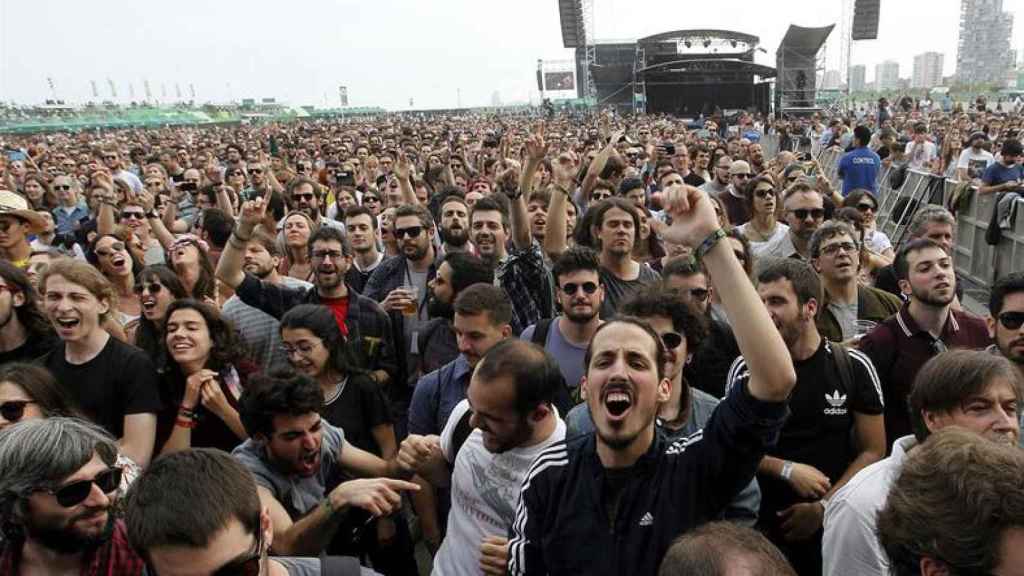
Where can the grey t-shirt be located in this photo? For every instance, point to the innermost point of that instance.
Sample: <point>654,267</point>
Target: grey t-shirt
<point>297,495</point>
<point>846,315</point>
<point>617,290</point>
<point>569,355</point>
<point>310,566</point>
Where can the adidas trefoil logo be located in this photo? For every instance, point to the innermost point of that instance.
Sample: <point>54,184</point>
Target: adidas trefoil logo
<point>647,520</point>
<point>837,401</point>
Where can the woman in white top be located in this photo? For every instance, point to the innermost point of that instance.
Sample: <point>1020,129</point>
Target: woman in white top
<point>877,243</point>
<point>763,226</point>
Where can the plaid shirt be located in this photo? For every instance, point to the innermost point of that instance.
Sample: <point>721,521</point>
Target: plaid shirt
<point>527,283</point>
<point>114,558</point>
<point>368,325</point>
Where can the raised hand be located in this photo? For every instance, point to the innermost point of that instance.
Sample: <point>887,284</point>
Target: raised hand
<point>693,216</point>
<point>253,212</point>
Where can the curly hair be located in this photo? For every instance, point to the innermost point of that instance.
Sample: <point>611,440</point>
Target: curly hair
<point>282,393</point>
<point>225,349</point>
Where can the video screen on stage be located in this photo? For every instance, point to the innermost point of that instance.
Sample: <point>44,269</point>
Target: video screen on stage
<point>559,81</point>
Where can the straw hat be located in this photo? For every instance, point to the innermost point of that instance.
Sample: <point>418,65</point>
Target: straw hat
<point>15,205</point>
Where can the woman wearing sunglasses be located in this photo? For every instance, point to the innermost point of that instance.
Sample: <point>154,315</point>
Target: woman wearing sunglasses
<point>878,244</point>
<point>354,402</point>
<point>156,287</point>
<point>113,256</point>
<point>204,374</point>
<point>763,227</point>
<point>30,392</point>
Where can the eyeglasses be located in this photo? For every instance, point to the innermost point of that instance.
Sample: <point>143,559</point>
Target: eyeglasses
<point>115,247</point>
<point>58,187</point>
<point>833,249</point>
<point>411,232</point>
<point>73,494</point>
<point>110,156</point>
<point>133,215</point>
<point>1011,320</point>
<point>327,254</point>
<point>865,207</point>
<point>571,288</point>
<point>803,213</point>
<point>699,294</point>
<point>153,288</point>
<point>671,340</point>
<point>13,410</point>
<point>302,348</point>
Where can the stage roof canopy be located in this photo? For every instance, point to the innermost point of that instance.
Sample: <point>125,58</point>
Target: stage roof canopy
<point>804,41</point>
<point>700,34</point>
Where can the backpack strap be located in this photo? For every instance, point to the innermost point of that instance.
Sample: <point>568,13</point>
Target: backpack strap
<point>540,331</point>
<point>459,436</point>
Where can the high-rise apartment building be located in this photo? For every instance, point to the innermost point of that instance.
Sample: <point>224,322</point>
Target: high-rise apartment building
<point>984,55</point>
<point>887,75</point>
<point>927,70</point>
<point>858,78</point>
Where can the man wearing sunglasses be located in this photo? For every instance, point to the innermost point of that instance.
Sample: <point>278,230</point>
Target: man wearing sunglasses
<point>849,308</point>
<point>719,182</point>
<point>927,325</point>
<point>805,211</point>
<point>71,209</point>
<point>1006,321</point>
<point>57,496</point>
<point>735,201</point>
<point>579,294</point>
<point>709,363</point>
<point>835,428</point>
<point>224,530</point>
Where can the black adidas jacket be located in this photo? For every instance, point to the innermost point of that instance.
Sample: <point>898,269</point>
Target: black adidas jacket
<point>561,526</point>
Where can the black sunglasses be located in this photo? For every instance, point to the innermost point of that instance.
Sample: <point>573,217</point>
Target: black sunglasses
<point>133,215</point>
<point>370,199</point>
<point>1009,320</point>
<point>764,192</point>
<point>802,213</point>
<point>571,288</point>
<point>154,288</point>
<point>61,187</point>
<point>307,196</point>
<point>865,207</point>
<point>74,493</point>
<point>411,232</point>
<point>13,410</point>
<point>671,340</point>
<point>249,565</point>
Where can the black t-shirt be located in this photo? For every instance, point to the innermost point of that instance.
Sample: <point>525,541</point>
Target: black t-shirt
<point>359,408</point>
<point>34,348</point>
<point>819,429</point>
<point>709,367</point>
<point>120,380</point>
<point>694,180</point>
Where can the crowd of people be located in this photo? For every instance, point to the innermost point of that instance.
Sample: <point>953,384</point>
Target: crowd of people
<point>526,344</point>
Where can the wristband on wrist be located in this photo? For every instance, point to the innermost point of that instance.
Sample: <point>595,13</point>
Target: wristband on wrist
<point>709,243</point>
<point>787,470</point>
<point>185,422</point>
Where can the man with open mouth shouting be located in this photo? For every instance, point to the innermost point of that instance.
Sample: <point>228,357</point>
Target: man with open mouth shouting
<point>612,502</point>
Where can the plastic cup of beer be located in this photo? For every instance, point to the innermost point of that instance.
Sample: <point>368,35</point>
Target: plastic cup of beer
<point>411,308</point>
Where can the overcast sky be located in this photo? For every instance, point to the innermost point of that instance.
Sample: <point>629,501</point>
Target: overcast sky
<point>439,54</point>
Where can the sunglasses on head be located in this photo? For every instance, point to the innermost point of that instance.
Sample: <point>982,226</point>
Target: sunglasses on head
<point>411,232</point>
<point>671,340</point>
<point>73,494</point>
<point>1011,320</point>
<point>13,410</point>
<point>570,288</point>
<point>803,213</point>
